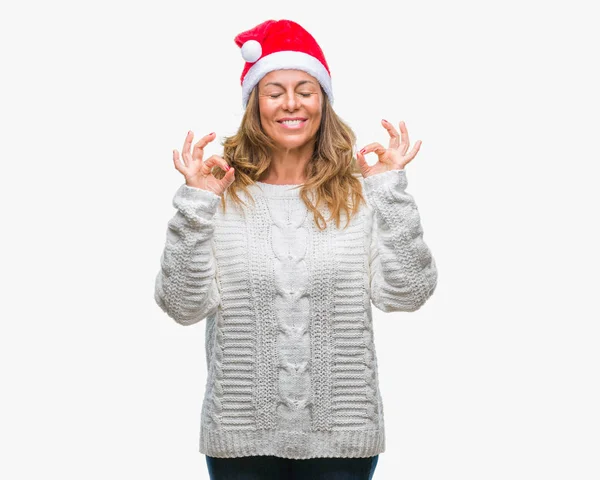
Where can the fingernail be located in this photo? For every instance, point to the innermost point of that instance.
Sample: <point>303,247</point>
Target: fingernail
<point>211,133</point>
<point>227,167</point>
<point>362,151</point>
<point>384,120</point>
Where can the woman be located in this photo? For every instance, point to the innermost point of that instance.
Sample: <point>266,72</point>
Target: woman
<point>258,249</point>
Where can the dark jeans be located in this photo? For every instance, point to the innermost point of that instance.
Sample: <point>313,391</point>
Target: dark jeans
<point>269,467</point>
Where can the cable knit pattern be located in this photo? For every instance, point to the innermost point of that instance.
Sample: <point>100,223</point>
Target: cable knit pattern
<point>186,287</point>
<point>404,273</point>
<point>292,366</point>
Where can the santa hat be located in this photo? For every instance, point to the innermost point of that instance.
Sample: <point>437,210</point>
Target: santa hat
<point>280,45</point>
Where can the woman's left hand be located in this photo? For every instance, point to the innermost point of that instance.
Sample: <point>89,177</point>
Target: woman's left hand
<point>392,158</point>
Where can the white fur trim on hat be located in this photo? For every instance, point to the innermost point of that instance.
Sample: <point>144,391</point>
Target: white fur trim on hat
<point>286,60</point>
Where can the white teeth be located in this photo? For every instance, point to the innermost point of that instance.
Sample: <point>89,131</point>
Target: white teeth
<point>292,122</point>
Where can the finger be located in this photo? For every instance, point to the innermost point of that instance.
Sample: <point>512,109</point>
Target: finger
<point>176,161</point>
<point>207,165</point>
<point>375,147</point>
<point>199,146</point>
<point>215,160</point>
<point>394,135</point>
<point>414,151</point>
<point>185,150</point>
<point>405,141</point>
<point>211,162</point>
<point>219,161</point>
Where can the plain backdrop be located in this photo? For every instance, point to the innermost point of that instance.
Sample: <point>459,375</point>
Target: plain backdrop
<point>496,377</point>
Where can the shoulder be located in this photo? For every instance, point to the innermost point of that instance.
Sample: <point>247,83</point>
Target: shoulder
<point>363,190</point>
<point>361,180</point>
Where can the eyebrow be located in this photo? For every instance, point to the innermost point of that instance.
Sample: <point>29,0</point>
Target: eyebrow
<point>302,82</point>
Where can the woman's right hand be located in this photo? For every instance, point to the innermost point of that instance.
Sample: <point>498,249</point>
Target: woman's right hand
<point>197,172</point>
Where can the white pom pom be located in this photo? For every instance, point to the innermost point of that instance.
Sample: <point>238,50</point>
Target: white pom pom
<point>251,51</point>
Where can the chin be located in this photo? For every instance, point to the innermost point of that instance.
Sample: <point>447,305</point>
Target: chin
<point>288,144</point>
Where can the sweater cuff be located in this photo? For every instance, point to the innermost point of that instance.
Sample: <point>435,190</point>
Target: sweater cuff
<point>389,180</point>
<point>190,199</point>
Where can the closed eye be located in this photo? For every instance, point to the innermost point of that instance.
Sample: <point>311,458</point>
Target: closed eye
<point>304,95</point>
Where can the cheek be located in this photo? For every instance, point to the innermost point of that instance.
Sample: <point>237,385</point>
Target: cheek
<point>318,116</point>
<point>317,110</point>
<point>264,110</point>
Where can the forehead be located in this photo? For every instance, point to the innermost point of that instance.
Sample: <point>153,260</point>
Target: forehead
<point>287,77</point>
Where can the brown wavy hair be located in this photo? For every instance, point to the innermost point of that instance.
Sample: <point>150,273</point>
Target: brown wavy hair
<point>331,174</point>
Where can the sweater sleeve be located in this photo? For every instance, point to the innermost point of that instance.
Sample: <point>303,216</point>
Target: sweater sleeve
<point>186,287</point>
<point>403,272</point>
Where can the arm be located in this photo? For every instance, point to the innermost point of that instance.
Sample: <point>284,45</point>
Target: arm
<point>186,286</point>
<point>403,273</point>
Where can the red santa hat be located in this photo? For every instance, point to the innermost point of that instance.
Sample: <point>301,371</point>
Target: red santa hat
<point>280,45</point>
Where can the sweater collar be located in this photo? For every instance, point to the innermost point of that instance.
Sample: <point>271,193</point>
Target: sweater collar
<point>271,190</point>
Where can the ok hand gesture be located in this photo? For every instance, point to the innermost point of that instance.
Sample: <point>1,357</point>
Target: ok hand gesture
<point>392,158</point>
<point>197,172</point>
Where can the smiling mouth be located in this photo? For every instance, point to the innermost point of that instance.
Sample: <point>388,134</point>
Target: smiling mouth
<point>292,123</point>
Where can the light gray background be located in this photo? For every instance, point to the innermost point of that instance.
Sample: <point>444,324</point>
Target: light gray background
<point>496,377</point>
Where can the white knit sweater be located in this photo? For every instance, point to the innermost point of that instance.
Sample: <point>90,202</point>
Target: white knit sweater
<point>292,367</point>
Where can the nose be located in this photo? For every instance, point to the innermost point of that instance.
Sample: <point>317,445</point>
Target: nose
<point>291,102</point>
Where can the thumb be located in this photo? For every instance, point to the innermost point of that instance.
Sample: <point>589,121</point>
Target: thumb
<point>362,163</point>
<point>229,177</point>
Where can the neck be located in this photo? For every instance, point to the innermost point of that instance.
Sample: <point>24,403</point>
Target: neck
<point>288,165</point>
